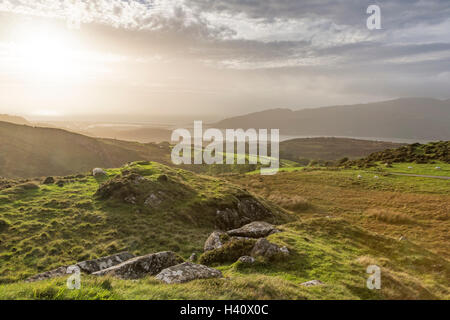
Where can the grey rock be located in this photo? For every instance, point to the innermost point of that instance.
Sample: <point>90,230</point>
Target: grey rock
<point>257,229</point>
<point>284,250</point>
<point>59,272</point>
<point>213,242</point>
<point>312,283</point>
<point>247,259</point>
<point>88,266</point>
<point>187,272</point>
<point>247,210</point>
<point>266,249</point>
<point>139,267</point>
<point>193,257</point>
<point>91,266</point>
<point>98,172</point>
<point>130,199</point>
<point>154,199</point>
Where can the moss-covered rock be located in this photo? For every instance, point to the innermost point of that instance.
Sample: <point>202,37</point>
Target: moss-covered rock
<point>229,252</point>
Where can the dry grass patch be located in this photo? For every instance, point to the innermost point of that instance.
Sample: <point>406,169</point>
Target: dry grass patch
<point>388,216</point>
<point>290,202</point>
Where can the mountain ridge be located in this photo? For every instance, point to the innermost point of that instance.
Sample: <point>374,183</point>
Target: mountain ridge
<point>409,118</point>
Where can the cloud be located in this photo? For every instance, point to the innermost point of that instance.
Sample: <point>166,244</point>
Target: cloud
<point>252,53</point>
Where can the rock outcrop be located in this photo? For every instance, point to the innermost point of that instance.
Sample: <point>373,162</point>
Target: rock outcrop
<point>214,241</point>
<point>247,210</point>
<point>187,272</point>
<point>88,266</point>
<point>91,266</point>
<point>268,250</point>
<point>139,267</point>
<point>257,229</point>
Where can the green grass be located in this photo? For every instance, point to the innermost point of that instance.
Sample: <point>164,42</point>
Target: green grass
<point>341,225</point>
<point>50,226</point>
<point>419,168</point>
<point>330,250</point>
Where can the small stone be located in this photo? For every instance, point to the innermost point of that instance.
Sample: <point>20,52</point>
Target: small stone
<point>312,283</point>
<point>247,259</point>
<point>98,172</point>
<point>193,257</point>
<point>284,250</point>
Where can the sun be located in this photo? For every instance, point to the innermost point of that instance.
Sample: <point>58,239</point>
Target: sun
<point>46,54</point>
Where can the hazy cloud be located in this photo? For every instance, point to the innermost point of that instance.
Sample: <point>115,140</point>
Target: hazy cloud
<point>250,53</point>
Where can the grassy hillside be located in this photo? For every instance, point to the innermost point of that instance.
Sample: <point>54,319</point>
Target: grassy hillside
<point>339,225</point>
<point>45,226</point>
<point>418,153</point>
<point>34,152</point>
<point>13,119</point>
<point>331,148</point>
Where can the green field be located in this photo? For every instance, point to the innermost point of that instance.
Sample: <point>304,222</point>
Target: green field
<point>339,224</point>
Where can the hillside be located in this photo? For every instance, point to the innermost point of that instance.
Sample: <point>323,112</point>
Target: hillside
<point>143,207</point>
<point>143,135</point>
<point>407,118</point>
<point>13,119</point>
<point>331,148</point>
<point>418,153</point>
<point>334,226</point>
<point>34,152</point>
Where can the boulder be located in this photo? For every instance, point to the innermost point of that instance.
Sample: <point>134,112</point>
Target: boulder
<point>187,271</point>
<point>139,267</point>
<point>59,272</point>
<point>247,210</point>
<point>247,259</point>
<point>91,266</point>
<point>266,249</point>
<point>214,241</point>
<point>99,172</point>
<point>88,266</point>
<point>312,283</point>
<point>257,229</point>
<point>230,251</point>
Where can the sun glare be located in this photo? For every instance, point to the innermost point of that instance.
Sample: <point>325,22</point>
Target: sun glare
<point>47,54</point>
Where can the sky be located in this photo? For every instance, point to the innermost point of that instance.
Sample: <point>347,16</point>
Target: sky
<point>216,57</point>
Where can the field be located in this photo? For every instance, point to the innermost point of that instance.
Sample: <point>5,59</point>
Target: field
<point>339,224</point>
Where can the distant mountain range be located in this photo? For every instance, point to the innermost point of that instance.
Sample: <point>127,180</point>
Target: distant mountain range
<point>405,118</point>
